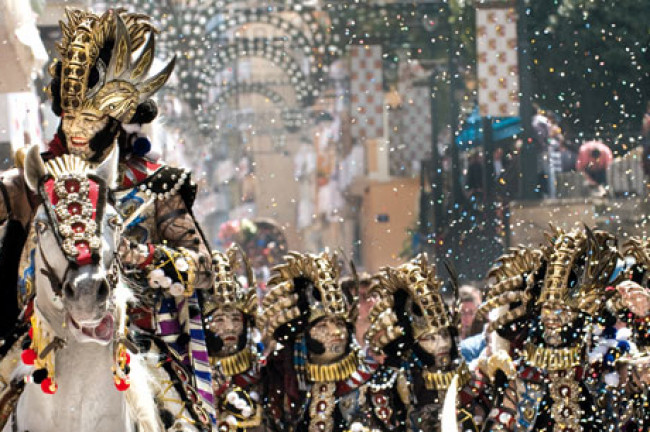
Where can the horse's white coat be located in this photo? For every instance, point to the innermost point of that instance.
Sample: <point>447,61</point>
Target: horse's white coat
<point>86,400</point>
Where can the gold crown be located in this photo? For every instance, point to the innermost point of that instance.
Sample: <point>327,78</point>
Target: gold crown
<point>419,281</point>
<point>579,267</point>
<point>227,291</point>
<point>639,249</point>
<point>591,257</point>
<point>122,83</point>
<point>280,305</point>
<point>508,281</point>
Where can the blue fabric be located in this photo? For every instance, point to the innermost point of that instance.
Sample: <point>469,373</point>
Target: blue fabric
<point>472,133</point>
<point>472,347</point>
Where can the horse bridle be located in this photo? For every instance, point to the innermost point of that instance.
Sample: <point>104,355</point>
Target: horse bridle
<point>112,274</point>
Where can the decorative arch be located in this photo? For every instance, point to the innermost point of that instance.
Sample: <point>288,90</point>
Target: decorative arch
<point>260,49</point>
<point>289,118</point>
<point>244,88</point>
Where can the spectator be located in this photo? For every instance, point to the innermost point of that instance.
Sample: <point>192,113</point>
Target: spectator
<point>568,157</point>
<point>470,299</point>
<point>474,178</point>
<point>542,126</point>
<point>645,127</point>
<point>593,159</point>
<point>472,347</point>
<point>540,123</point>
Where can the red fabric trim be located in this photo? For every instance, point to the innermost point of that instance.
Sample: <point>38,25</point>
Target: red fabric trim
<point>142,317</point>
<point>93,195</point>
<point>152,166</point>
<point>149,259</point>
<point>351,383</point>
<point>56,147</point>
<point>49,189</point>
<point>530,373</point>
<point>246,379</point>
<point>85,256</point>
<point>138,173</point>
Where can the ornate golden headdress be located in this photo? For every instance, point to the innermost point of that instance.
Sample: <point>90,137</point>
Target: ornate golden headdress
<point>280,305</point>
<point>418,280</point>
<point>508,281</point>
<point>578,269</point>
<point>598,250</point>
<point>122,84</point>
<point>639,249</point>
<point>228,292</point>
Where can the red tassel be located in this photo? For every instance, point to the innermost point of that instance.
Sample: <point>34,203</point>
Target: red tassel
<point>48,386</point>
<point>30,332</point>
<point>28,356</point>
<point>122,384</point>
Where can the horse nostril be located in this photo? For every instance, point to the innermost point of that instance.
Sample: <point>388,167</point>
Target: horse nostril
<point>67,290</point>
<point>102,292</point>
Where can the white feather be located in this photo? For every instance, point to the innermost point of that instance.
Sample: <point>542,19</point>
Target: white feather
<point>612,379</point>
<point>623,334</point>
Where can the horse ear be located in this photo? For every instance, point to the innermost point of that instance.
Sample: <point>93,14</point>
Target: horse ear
<point>107,170</point>
<point>34,167</point>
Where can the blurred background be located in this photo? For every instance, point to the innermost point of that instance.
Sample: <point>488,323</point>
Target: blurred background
<point>381,128</point>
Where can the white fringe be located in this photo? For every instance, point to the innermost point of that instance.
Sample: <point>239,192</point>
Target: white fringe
<point>140,395</point>
<point>140,398</point>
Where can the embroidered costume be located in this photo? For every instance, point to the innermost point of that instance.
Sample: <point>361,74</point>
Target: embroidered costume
<point>552,297</point>
<point>318,379</point>
<point>230,312</point>
<point>102,95</point>
<point>416,331</point>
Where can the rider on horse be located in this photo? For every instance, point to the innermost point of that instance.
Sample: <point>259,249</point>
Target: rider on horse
<point>103,98</point>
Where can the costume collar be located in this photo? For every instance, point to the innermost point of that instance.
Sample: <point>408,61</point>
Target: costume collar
<point>337,371</point>
<point>442,380</point>
<point>235,364</point>
<point>553,359</point>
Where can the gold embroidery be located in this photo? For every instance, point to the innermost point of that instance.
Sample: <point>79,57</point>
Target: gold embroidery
<point>321,407</point>
<point>442,380</point>
<point>566,411</point>
<point>333,372</point>
<point>553,359</point>
<point>234,364</point>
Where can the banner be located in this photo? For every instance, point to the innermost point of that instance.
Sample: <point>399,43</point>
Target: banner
<point>497,66</point>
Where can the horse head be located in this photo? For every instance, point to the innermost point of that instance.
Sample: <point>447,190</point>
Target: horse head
<point>77,233</point>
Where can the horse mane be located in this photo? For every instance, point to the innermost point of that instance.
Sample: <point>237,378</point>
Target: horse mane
<point>140,398</point>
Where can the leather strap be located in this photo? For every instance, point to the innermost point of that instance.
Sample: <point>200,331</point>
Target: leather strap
<point>5,196</point>
<point>171,215</point>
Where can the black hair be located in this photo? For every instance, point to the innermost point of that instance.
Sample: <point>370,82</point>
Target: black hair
<point>287,333</point>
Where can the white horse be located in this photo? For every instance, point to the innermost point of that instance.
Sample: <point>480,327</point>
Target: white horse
<point>81,301</point>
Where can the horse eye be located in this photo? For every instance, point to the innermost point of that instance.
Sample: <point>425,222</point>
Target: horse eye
<point>40,226</point>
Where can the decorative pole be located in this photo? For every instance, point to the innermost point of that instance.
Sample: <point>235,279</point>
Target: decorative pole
<point>528,153</point>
